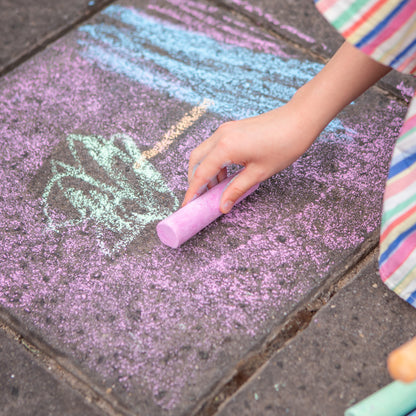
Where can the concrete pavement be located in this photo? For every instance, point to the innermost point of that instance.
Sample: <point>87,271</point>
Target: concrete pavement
<point>145,329</point>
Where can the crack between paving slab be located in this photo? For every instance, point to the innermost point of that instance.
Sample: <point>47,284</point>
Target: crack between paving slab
<point>296,322</point>
<point>53,36</point>
<point>261,22</point>
<point>62,368</point>
<point>270,28</point>
<point>247,16</point>
<point>386,91</point>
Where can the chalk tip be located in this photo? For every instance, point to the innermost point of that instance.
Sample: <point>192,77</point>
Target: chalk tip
<point>167,235</point>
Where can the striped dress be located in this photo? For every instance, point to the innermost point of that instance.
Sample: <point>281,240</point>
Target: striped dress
<point>386,31</point>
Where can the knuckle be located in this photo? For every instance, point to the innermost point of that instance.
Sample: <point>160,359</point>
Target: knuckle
<point>259,173</point>
<point>226,128</point>
<point>224,145</point>
<point>236,192</point>
<point>193,156</point>
<point>199,176</point>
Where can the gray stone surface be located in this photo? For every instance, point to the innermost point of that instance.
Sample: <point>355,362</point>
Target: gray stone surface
<point>296,20</point>
<point>300,21</point>
<point>26,24</point>
<point>81,264</point>
<point>26,388</point>
<point>337,361</point>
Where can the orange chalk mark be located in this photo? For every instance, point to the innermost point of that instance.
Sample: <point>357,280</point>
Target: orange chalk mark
<point>184,123</point>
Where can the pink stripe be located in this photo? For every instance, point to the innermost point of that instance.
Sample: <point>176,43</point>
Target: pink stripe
<point>409,124</point>
<point>413,71</point>
<point>400,184</point>
<point>398,257</point>
<point>407,62</point>
<point>393,26</point>
<point>324,5</point>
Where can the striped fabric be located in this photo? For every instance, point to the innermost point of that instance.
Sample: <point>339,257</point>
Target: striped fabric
<point>398,230</point>
<point>386,31</point>
<point>383,29</point>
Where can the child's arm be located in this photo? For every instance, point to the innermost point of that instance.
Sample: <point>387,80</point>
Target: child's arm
<point>268,143</point>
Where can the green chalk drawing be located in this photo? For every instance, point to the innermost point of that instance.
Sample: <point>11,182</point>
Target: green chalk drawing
<point>98,188</point>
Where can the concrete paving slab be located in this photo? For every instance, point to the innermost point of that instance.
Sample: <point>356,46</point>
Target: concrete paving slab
<point>81,264</point>
<point>337,361</point>
<point>27,388</point>
<point>296,20</point>
<point>300,22</point>
<point>25,25</point>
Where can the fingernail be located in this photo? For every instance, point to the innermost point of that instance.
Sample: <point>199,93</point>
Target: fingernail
<point>228,184</point>
<point>227,206</point>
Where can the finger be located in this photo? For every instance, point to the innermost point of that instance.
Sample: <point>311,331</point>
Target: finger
<point>194,161</point>
<point>209,168</point>
<point>197,155</point>
<point>237,188</point>
<point>222,175</point>
<point>219,178</point>
<point>200,152</point>
<point>213,182</point>
<point>192,169</point>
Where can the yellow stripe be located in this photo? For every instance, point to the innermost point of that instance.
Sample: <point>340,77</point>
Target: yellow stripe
<point>374,19</point>
<point>400,44</point>
<point>396,231</point>
<point>184,123</point>
<point>400,175</point>
<point>405,282</point>
<point>409,68</point>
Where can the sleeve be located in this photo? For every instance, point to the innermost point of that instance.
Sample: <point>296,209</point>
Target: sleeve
<point>383,29</point>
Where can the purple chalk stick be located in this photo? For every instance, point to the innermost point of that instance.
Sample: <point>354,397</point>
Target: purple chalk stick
<point>197,214</point>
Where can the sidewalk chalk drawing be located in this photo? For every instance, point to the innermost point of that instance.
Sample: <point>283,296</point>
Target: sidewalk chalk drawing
<point>172,60</point>
<point>175,131</point>
<point>192,66</point>
<point>121,203</point>
<point>78,123</point>
<point>131,193</point>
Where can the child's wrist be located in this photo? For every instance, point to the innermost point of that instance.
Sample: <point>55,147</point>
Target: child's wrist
<point>312,111</point>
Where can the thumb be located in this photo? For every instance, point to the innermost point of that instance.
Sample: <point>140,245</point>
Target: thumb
<point>237,187</point>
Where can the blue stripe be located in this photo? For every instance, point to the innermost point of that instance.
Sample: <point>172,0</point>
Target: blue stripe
<point>403,53</point>
<point>393,246</point>
<point>401,166</point>
<point>377,29</point>
<point>412,299</point>
<point>412,413</point>
<point>404,151</point>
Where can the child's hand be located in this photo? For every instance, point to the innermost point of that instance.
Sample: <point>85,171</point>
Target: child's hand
<point>268,143</point>
<point>264,145</point>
